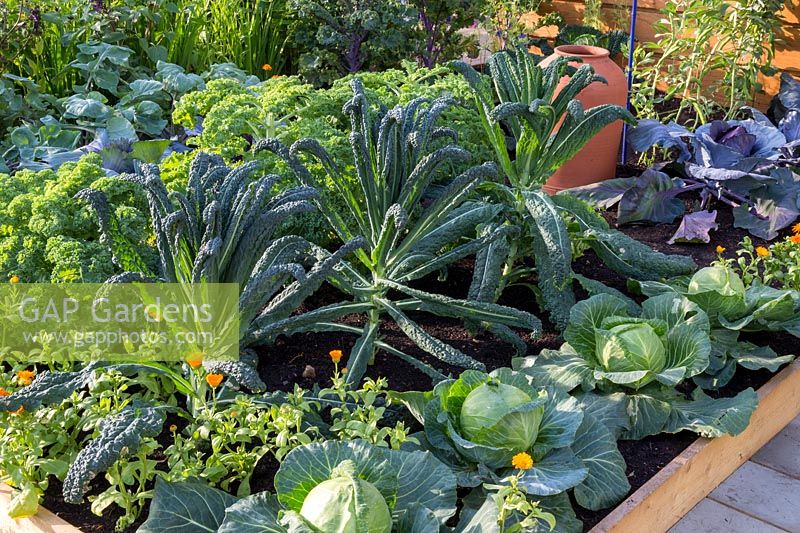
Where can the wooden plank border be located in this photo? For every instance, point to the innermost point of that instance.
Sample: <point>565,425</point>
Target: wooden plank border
<point>691,476</point>
<point>43,522</point>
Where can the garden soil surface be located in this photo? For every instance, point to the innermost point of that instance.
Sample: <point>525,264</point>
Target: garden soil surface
<point>303,359</point>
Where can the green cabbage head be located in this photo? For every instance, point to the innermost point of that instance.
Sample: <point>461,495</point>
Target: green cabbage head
<point>635,348</point>
<point>494,402</point>
<point>501,415</point>
<point>718,290</point>
<point>346,504</point>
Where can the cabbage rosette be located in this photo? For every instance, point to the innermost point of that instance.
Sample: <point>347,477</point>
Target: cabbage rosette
<point>645,357</point>
<point>732,308</point>
<point>328,487</point>
<point>478,422</point>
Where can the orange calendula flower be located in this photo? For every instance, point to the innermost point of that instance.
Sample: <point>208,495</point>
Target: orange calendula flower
<point>195,359</point>
<point>336,355</point>
<point>214,379</point>
<point>796,228</point>
<point>275,76</point>
<point>762,252</point>
<point>266,67</point>
<point>522,461</point>
<point>14,279</point>
<point>720,249</point>
<point>26,376</point>
<point>234,414</point>
<point>18,411</point>
<point>4,392</point>
<point>795,239</point>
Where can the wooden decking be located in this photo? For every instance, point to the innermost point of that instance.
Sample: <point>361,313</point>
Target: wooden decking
<point>762,496</point>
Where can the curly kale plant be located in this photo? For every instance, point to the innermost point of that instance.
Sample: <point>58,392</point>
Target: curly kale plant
<point>547,128</point>
<point>644,355</point>
<point>329,486</point>
<point>477,423</point>
<point>409,233</point>
<point>223,231</point>
<point>45,236</point>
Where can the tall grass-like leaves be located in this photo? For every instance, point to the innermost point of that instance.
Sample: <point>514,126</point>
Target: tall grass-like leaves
<point>523,112</point>
<point>222,230</point>
<point>409,232</point>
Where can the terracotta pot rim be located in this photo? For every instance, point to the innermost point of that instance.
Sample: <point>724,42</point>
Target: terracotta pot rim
<point>581,50</point>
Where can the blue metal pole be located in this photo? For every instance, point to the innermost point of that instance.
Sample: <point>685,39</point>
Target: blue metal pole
<point>631,44</point>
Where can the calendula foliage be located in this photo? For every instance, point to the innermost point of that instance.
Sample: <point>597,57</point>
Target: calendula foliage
<point>222,230</point>
<point>547,127</point>
<point>46,236</point>
<point>398,154</point>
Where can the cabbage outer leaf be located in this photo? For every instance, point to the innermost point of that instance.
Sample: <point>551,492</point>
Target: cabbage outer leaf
<point>258,513</point>
<point>556,472</point>
<point>187,506</point>
<point>563,368</point>
<point>606,482</point>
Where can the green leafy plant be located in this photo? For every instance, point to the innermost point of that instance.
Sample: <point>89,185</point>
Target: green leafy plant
<point>46,236</point>
<point>546,130</point>
<point>383,490</point>
<point>733,308</point>
<point>644,355</point>
<point>776,265</point>
<point>397,156</point>
<point>697,38</point>
<point>223,444</point>
<point>223,231</point>
<point>342,37</point>
<point>479,423</point>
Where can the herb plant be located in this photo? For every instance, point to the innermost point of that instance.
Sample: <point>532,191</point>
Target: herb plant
<point>697,38</point>
<point>531,111</point>
<point>409,234</point>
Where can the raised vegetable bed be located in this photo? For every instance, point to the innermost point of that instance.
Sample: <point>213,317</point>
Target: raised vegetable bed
<point>701,467</point>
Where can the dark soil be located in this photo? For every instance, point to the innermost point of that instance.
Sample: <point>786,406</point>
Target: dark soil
<point>290,359</point>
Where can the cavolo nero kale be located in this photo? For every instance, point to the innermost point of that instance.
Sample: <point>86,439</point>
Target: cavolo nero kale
<point>223,230</point>
<point>411,230</point>
<point>544,129</point>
